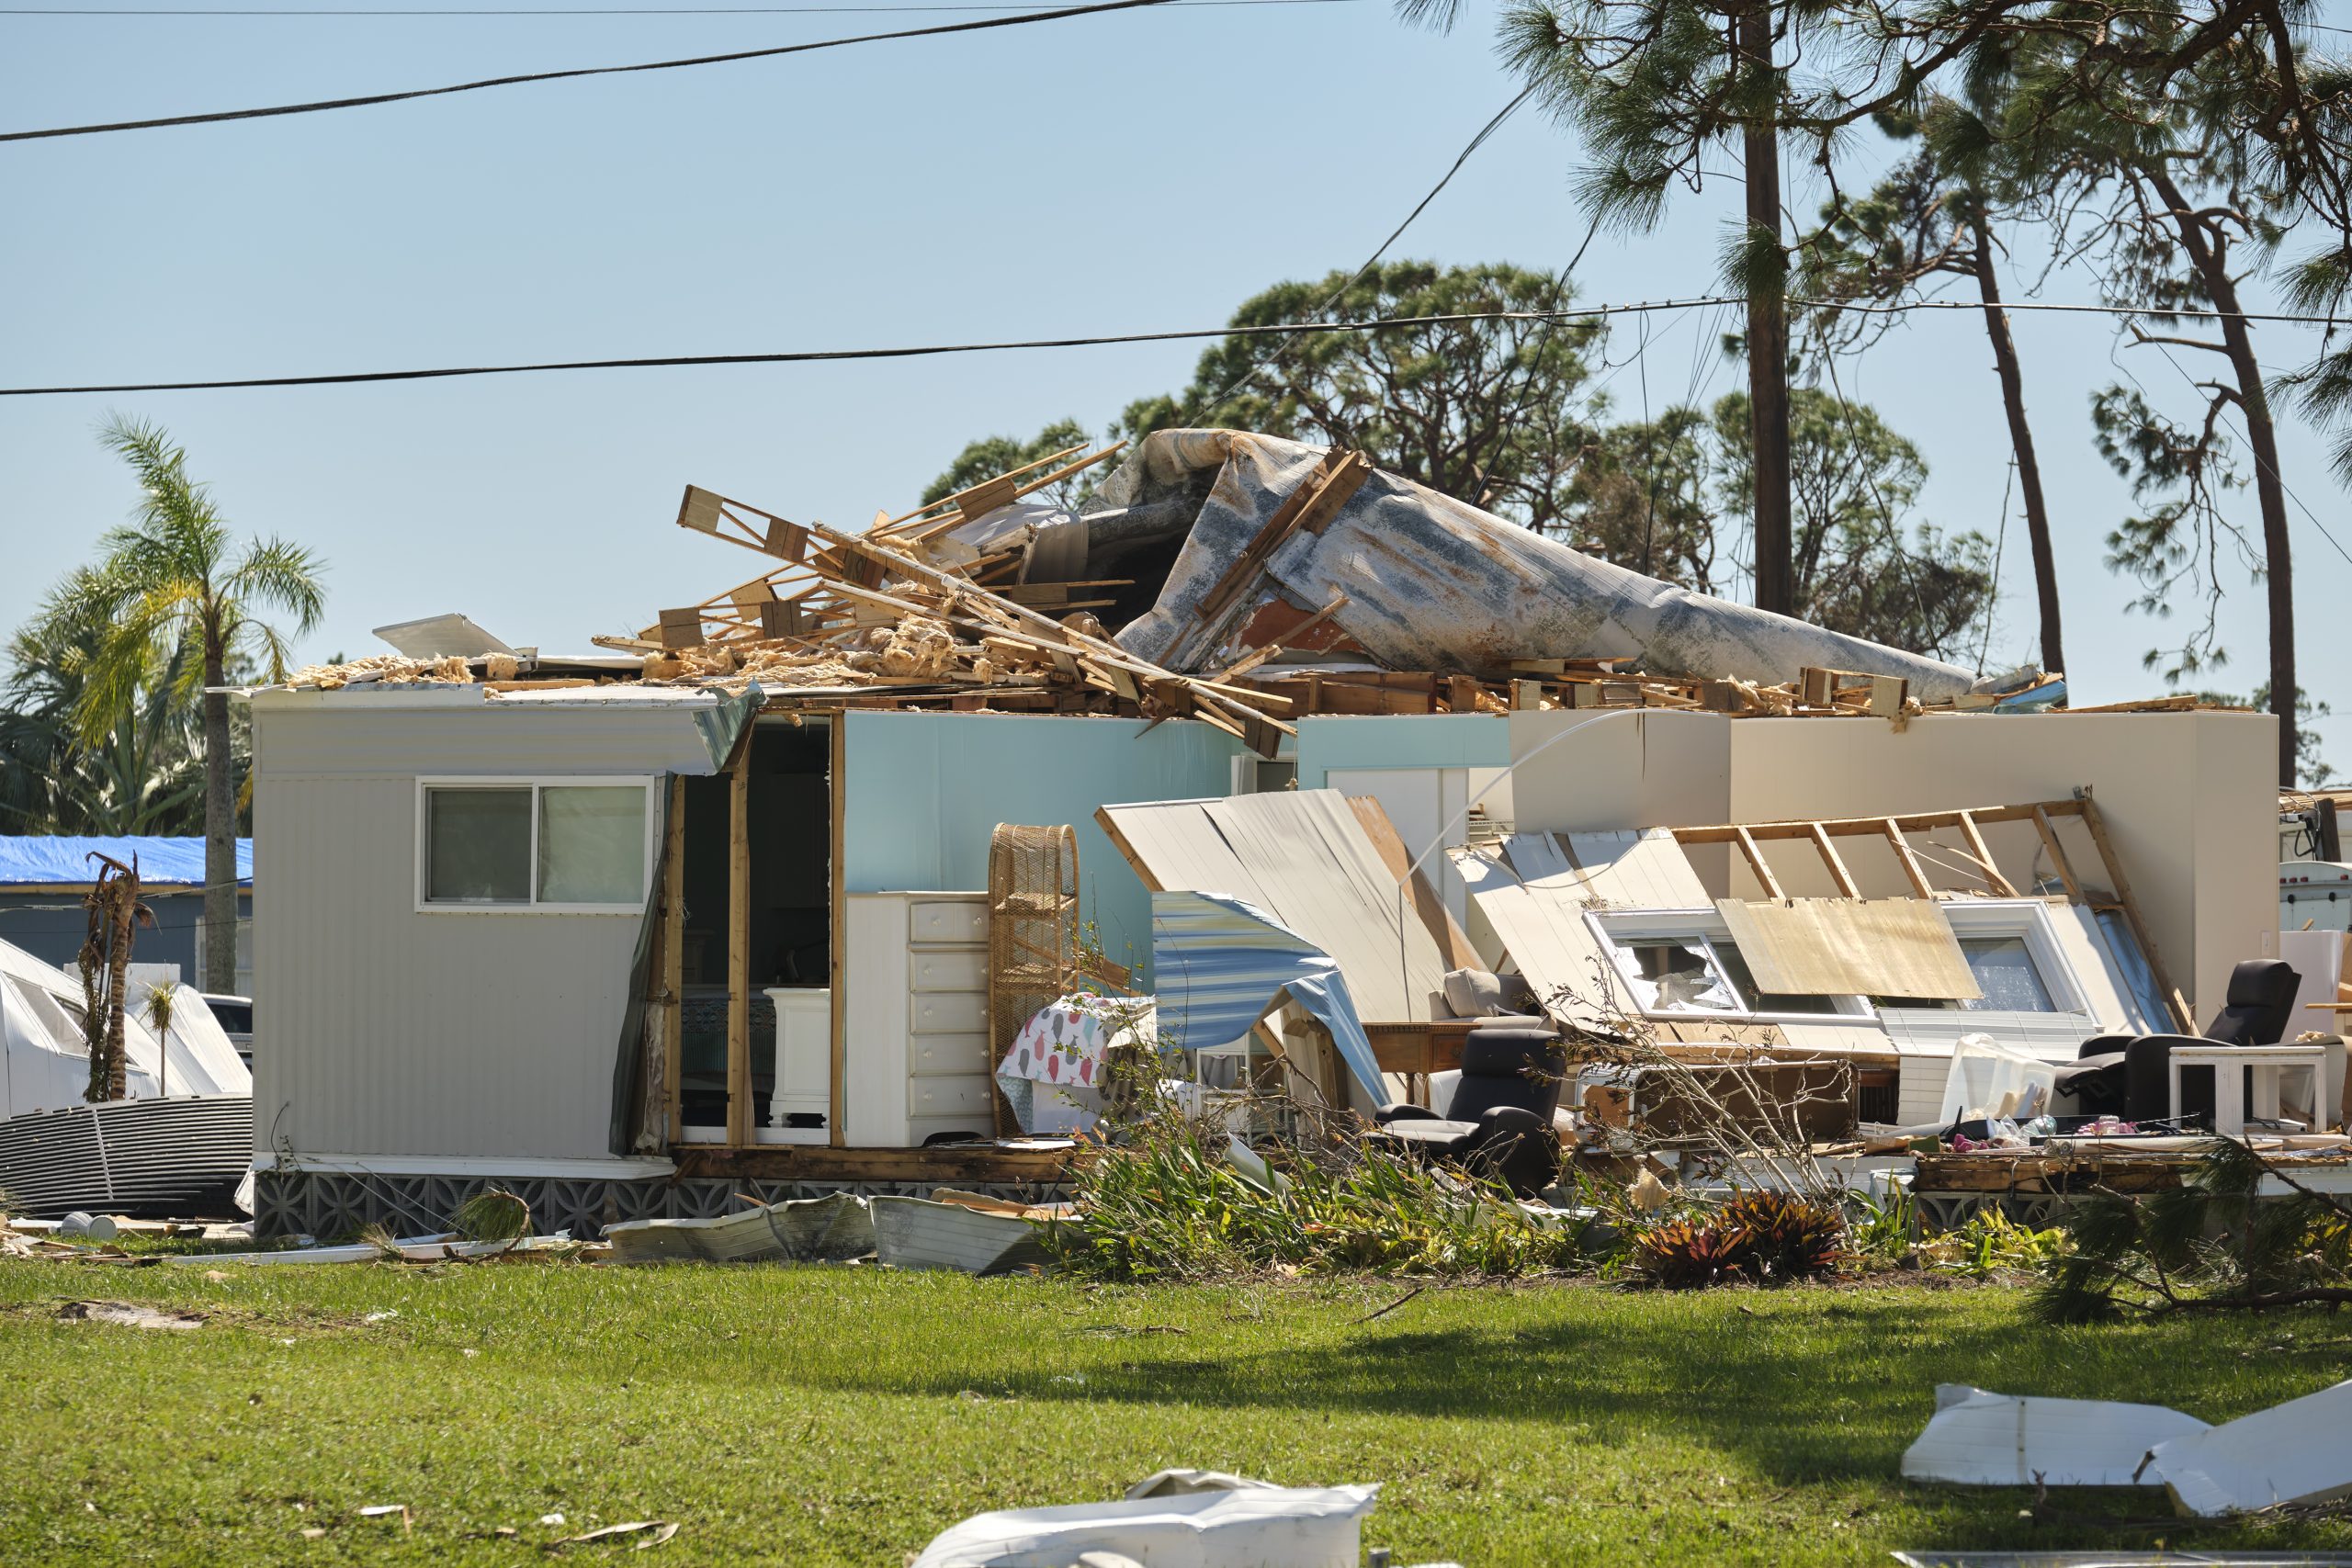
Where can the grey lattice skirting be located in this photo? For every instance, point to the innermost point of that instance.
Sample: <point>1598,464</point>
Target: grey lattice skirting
<point>333,1204</point>
<point>1949,1211</point>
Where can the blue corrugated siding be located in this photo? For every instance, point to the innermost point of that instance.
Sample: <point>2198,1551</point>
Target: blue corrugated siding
<point>1220,964</point>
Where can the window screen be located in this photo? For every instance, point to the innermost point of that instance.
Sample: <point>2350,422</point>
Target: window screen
<point>592,844</point>
<point>479,846</point>
<point>2005,971</point>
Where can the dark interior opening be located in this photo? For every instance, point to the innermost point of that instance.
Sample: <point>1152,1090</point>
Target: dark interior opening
<point>789,834</point>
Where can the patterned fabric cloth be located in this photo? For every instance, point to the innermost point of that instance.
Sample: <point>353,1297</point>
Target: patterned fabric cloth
<point>1052,1074</point>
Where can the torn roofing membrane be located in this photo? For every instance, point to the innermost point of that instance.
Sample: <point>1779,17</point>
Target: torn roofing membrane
<point>1433,583</point>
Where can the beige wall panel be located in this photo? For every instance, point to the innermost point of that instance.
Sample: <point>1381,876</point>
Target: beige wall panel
<point>1623,768</point>
<point>2187,798</point>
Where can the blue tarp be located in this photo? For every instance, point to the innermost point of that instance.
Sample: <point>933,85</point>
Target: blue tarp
<point>61,862</point>
<point>1220,964</point>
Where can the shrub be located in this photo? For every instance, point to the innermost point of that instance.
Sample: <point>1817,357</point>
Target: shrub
<point>1761,1237</point>
<point>1164,1204</point>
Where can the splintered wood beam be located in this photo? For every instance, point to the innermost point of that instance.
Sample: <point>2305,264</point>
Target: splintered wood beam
<point>739,948</point>
<point>2131,906</point>
<point>1310,507</point>
<point>1755,856</point>
<point>674,952</point>
<point>1984,856</point>
<point>1874,827</point>
<point>1258,656</point>
<point>1100,653</point>
<point>721,517</point>
<point>2058,861</point>
<point>983,499</point>
<point>1837,871</point>
<point>884,523</point>
<point>1901,847</point>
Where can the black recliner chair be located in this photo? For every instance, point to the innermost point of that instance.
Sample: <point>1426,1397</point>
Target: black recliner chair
<point>2130,1076</point>
<point>1499,1121</point>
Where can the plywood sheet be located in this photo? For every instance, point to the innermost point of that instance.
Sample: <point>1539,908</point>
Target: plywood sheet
<point>1882,947</point>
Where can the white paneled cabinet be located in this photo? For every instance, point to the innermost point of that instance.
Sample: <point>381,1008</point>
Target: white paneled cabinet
<point>915,966</point>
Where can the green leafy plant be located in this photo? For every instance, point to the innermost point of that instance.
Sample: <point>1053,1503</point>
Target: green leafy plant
<point>1756,1237</point>
<point>2206,1246</point>
<point>1164,1204</point>
<point>1992,1243</point>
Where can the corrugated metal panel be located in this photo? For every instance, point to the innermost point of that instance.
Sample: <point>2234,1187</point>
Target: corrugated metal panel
<point>1302,856</point>
<point>1221,963</point>
<point>176,1158</point>
<point>1433,583</point>
<point>381,1031</point>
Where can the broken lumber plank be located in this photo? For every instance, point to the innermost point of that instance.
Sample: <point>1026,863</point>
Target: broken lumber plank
<point>1310,507</point>
<point>1258,656</point>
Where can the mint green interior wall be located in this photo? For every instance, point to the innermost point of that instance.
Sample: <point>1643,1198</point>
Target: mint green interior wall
<point>1402,740</point>
<point>923,790</point>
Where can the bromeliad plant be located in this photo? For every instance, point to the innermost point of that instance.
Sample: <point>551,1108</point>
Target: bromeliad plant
<point>1760,1238</point>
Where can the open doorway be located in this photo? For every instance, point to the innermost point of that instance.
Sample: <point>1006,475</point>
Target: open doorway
<point>785,906</point>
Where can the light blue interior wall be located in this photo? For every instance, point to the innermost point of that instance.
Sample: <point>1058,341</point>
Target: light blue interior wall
<point>922,792</point>
<point>1400,741</point>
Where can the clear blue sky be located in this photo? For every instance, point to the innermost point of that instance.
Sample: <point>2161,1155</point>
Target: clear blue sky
<point>1131,172</point>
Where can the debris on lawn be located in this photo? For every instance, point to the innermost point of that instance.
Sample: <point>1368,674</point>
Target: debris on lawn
<point>2290,1454</point>
<point>129,1314</point>
<point>1980,1439</point>
<point>1200,1518</point>
<point>653,1532</point>
<point>835,1228</point>
<point>964,1231</point>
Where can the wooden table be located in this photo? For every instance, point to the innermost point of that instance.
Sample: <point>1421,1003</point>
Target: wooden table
<point>1417,1050</point>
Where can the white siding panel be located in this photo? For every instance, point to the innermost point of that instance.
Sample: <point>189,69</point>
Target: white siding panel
<point>382,1030</point>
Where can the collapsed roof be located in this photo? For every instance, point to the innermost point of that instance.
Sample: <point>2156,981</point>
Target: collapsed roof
<point>1431,583</point>
<point>1238,579</point>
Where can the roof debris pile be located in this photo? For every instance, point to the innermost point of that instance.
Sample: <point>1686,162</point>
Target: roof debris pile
<point>1240,579</point>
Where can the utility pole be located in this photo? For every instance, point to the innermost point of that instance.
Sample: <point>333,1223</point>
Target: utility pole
<point>1767,326</point>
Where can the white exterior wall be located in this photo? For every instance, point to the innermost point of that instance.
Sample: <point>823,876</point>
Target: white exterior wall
<point>385,1034</point>
<point>2190,801</point>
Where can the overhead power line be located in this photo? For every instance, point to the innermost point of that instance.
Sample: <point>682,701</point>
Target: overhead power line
<point>321,105</point>
<point>102,11</point>
<point>807,356</point>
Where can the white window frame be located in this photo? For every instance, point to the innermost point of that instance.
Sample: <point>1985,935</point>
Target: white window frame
<point>1673,925</point>
<point>2026,917</point>
<point>2030,918</point>
<point>535,783</point>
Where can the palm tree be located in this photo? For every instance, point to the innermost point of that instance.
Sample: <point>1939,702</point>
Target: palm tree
<point>146,774</point>
<point>171,575</point>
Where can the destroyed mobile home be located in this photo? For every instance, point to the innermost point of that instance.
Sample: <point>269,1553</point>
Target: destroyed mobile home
<point>806,888</point>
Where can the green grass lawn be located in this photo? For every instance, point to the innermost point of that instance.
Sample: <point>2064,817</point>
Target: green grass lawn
<point>821,1415</point>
